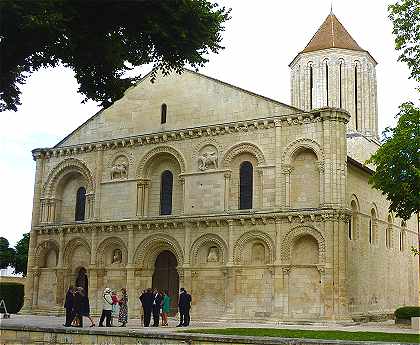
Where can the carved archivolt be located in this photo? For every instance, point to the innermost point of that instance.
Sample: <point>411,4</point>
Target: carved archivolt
<point>148,250</point>
<point>291,149</point>
<point>71,246</point>
<point>149,156</point>
<point>43,249</point>
<point>107,247</point>
<point>243,148</point>
<point>296,233</point>
<point>253,236</point>
<point>71,165</point>
<point>213,241</point>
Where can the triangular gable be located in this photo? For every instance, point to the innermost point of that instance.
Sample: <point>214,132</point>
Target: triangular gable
<point>192,100</point>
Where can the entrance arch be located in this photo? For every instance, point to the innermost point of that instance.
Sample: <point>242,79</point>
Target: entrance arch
<point>165,277</point>
<point>82,279</point>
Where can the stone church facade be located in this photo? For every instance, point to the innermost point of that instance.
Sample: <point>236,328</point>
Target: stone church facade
<point>259,209</point>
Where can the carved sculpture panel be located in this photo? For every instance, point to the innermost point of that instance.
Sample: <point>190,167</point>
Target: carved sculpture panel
<point>207,158</point>
<point>119,169</point>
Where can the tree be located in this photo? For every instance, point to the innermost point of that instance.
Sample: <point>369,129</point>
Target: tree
<point>21,256</point>
<point>397,164</point>
<point>405,17</point>
<point>103,39</point>
<point>7,254</point>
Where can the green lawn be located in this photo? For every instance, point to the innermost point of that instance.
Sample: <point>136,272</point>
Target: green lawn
<point>330,335</point>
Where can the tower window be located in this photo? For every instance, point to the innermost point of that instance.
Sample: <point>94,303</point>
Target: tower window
<point>163,110</point>
<point>326,79</point>
<point>79,213</point>
<point>166,187</point>
<point>245,185</point>
<point>340,78</point>
<point>355,97</point>
<point>311,85</point>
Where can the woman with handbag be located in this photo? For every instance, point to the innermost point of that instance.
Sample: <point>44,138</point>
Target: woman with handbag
<point>123,314</point>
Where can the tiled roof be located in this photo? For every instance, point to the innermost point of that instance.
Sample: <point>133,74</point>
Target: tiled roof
<point>331,34</point>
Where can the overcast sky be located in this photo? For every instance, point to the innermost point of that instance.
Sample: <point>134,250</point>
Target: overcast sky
<point>261,40</point>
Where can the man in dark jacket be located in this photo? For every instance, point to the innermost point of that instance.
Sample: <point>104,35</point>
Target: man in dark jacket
<point>157,304</point>
<point>68,305</point>
<point>146,300</point>
<point>184,305</point>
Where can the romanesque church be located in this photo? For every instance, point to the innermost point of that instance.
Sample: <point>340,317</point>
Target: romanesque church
<point>261,210</point>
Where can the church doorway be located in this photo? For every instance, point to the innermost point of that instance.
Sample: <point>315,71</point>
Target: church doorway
<point>165,277</point>
<point>82,280</point>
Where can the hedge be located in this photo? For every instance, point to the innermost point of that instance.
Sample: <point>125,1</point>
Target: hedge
<point>12,294</point>
<point>407,312</point>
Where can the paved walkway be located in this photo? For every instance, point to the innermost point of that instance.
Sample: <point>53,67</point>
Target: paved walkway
<point>134,324</point>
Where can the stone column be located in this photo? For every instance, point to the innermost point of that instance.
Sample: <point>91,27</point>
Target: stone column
<point>95,305</point>
<point>182,182</point>
<point>286,276</point>
<point>140,199</point>
<point>61,248</point>
<point>187,244</point>
<point>260,174</point>
<point>131,291</point>
<point>96,210</point>
<point>146,198</point>
<point>227,176</point>
<point>130,230</point>
<point>287,170</point>
<point>59,294</point>
<point>320,167</point>
<point>93,244</point>
<point>36,274</point>
<point>38,156</point>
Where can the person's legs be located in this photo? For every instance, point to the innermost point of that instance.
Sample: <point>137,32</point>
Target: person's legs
<point>181,317</point>
<point>101,320</point>
<point>155,316</point>
<point>108,318</point>
<point>187,317</point>
<point>92,323</point>
<point>147,315</point>
<point>69,317</point>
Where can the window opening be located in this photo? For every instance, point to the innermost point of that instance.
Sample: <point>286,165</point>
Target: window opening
<point>80,204</point>
<point>163,110</point>
<point>245,186</point>
<point>166,188</point>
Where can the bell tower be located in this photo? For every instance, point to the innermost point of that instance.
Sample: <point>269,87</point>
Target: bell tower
<point>334,71</point>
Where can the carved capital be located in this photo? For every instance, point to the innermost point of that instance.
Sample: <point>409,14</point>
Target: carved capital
<point>287,169</point>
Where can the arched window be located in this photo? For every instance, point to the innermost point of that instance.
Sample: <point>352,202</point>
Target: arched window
<point>326,80</point>
<point>245,185</point>
<point>163,110</point>
<point>79,213</point>
<point>340,80</point>
<point>311,85</point>
<point>166,187</point>
<point>372,225</point>
<point>353,220</point>
<point>402,236</point>
<point>355,98</point>
<point>388,233</point>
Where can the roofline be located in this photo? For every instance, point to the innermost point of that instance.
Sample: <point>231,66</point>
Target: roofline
<point>97,114</point>
<point>353,50</point>
<point>193,72</point>
<point>245,90</point>
<point>359,165</point>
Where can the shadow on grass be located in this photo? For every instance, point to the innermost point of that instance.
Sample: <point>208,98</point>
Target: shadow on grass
<point>311,334</point>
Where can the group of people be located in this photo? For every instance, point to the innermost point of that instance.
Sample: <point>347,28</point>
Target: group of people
<point>158,303</point>
<point>77,307</point>
<point>154,302</point>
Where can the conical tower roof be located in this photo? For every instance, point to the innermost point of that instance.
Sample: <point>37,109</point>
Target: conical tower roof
<point>331,34</point>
